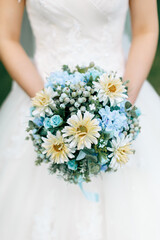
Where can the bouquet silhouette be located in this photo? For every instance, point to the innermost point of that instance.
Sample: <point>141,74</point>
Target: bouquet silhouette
<point>82,124</point>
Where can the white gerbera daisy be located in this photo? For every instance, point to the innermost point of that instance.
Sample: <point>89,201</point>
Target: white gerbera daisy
<point>42,101</point>
<point>110,88</point>
<point>83,131</point>
<point>56,148</point>
<point>121,148</point>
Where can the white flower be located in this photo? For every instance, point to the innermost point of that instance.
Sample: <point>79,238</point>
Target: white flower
<point>92,106</point>
<point>83,131</point>
<point>121,148</point>
<point>110,88</point>
<point>94,98</point>
<point>56,147</point>
<point>58,88</point>
<point>42,101</point>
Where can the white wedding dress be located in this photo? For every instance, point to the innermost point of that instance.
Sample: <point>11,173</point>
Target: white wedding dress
<point>37,206</point>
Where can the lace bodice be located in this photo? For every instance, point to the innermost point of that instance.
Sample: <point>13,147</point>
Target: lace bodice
<point>77,32</point>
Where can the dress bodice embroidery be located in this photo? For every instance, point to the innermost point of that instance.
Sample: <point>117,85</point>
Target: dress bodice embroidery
<point>77,32</point>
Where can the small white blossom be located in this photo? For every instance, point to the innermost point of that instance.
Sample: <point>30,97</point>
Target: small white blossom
<point>92,107</point>
<point>94,98</point>
<point>58,88</point>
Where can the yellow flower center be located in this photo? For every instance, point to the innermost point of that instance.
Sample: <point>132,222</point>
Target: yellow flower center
<point>111,87</point>
<point>44,100</point>
<point>58,147</point>
<point>122,153</point>
<point>82,130</point>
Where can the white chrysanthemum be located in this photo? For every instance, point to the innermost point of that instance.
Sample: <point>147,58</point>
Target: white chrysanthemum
<point>110,88</point>
<point>121,148</point>
<point>42,101</point>
<point>83,130</point>
<point>56,147</point>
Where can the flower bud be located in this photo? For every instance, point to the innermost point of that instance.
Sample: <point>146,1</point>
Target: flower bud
<point>86,94</point>
<point>63,95</point>
<point>72,101</point>
<point>62,105</point>
<point>76,104</point>
<point>67,100</point>
<point>80,100</point>
<point>74,94</point>
<point>79,92</point>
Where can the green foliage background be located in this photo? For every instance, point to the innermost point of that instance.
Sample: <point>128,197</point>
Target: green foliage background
<point>154,76</point>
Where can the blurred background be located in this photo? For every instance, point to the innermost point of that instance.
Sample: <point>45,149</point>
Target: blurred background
<point>6,82</point>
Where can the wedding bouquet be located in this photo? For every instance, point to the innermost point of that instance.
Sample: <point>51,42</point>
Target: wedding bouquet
<point>82,124</point>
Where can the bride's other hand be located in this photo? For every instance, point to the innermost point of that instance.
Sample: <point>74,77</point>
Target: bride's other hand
<point>13,56</point>
<point>144,23</point>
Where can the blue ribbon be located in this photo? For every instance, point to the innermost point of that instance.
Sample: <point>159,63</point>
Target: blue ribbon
<point>94,197</point>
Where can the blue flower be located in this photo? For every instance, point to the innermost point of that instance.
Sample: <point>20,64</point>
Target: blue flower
<point>47,123</point>
<point>138,112</point>
<point>39,121</point>
<point>104,167</point>
<point>93,72</point>
<point>72,164</point>
<point>112,121</point>
<point>56,121</point>
<point>59,77</point>
<point>77,77</point>
<point>48,84</point>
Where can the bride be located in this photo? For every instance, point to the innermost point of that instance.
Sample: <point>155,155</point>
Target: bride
<point>37,206</point>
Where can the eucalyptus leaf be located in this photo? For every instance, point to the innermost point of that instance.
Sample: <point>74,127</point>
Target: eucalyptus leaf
<point>81,155</point>
<point>89,151</point>
<point>128,105</point>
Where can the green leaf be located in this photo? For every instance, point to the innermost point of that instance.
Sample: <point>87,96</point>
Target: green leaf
<point>89,151</point>
<point>128,105</point>
<point>31,124</point>
<point>81,155</point>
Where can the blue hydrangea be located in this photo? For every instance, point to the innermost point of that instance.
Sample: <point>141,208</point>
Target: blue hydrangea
<point>56,121</point>
<point>77,77</point>
<point>92,72</point>
<point>59,77</point>
<point>39,121</point>
<point>72,165</point>
<point>112,121</point>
